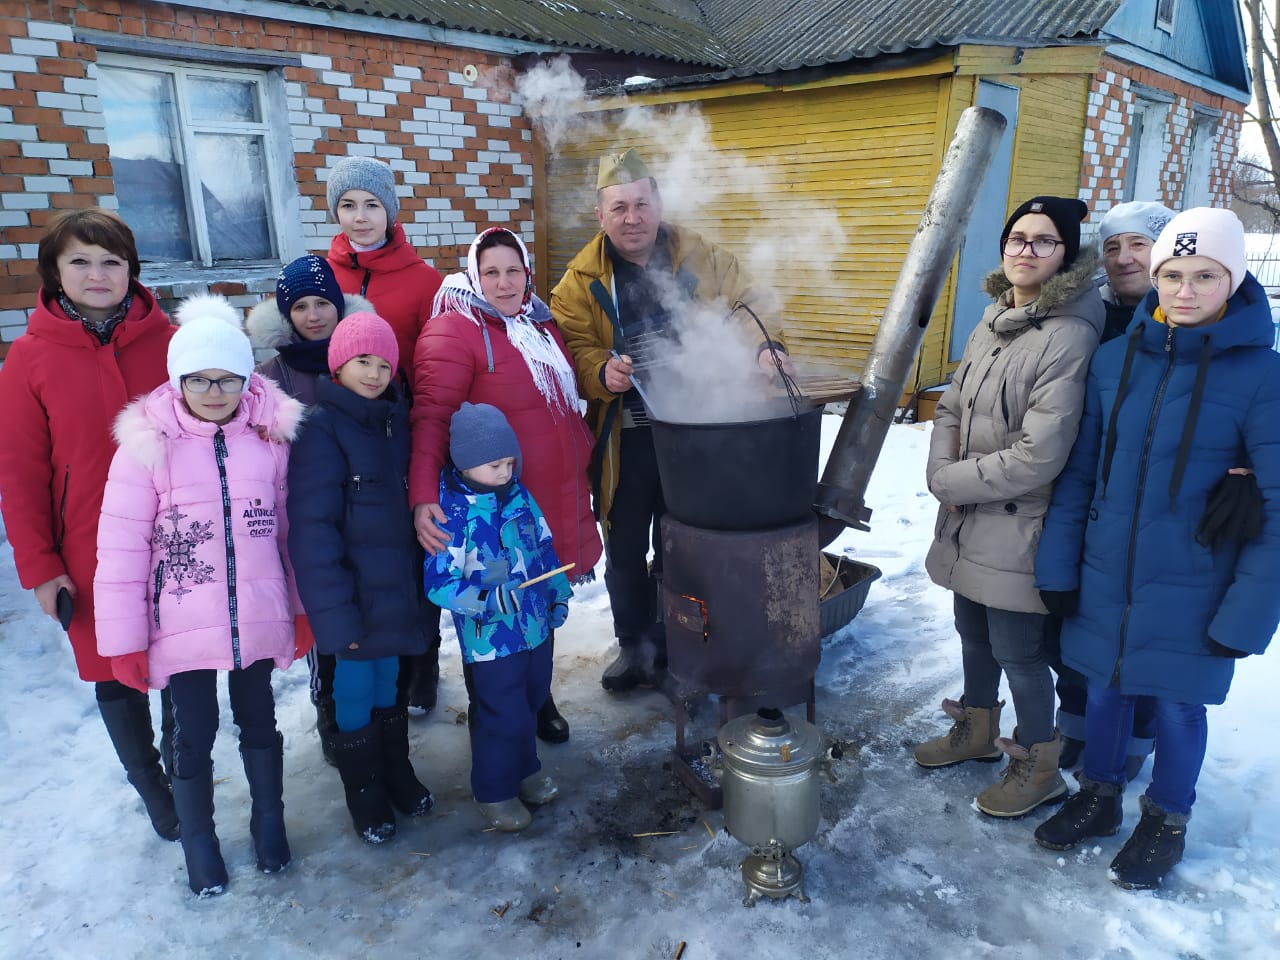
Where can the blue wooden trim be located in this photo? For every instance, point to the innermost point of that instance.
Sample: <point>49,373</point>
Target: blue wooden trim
<point>1152,61</point>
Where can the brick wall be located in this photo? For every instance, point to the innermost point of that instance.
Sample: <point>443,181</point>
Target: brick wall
<point>1109,127</point>
<point>462,152</point>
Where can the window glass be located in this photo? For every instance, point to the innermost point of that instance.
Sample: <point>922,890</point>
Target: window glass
<point>222,100</point>
<point>233,177</point>
<point>141,121</point>
<point>190,147</point>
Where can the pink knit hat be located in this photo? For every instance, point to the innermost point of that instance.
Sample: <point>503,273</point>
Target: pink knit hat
<point>360,334</point>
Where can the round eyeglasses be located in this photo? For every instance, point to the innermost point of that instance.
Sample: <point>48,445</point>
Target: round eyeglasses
<point>1200,283</point>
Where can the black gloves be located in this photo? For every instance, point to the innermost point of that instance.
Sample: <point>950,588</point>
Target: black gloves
<point>1232,513</point>
<point>1218,650</point>
<point>1060,603</point>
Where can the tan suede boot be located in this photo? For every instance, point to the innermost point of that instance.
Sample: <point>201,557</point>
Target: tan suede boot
<point>1030,779</point>
<point>971,737</point>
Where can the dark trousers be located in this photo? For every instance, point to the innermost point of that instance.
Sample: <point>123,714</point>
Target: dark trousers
<point>1073,696</point>
<point>195,713</point>
<point>995,640</point>
<point>505,696</point>
<point>634,526</point>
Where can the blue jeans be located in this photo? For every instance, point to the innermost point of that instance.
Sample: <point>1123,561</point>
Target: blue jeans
<point>361,685</point>
<point>505,696</point>
<point>1182,731</point>
<point>993,640</point>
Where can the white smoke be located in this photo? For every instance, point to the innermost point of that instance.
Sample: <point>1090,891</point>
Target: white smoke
<point>709,369</point>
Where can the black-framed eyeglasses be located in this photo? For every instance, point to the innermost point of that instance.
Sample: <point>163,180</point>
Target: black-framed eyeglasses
<point>1040,246</point>
<point>204,384</point>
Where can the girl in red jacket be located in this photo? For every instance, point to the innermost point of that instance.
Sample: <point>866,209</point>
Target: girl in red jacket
<point>96,339</point>
<point>372,257</point>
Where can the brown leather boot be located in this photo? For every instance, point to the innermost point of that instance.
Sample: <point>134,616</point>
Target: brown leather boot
<point>971,737</point>
<point>1030,779</point>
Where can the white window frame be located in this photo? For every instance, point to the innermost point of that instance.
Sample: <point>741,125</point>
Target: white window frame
<point>1204,134</point>
<point>1166,10</point>
<point>276,150</point>
<point>1146,148</point>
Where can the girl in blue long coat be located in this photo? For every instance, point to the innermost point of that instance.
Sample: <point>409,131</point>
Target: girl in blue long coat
<point>357,567</point>
<point>1169,595</point>
<point>500,543</point>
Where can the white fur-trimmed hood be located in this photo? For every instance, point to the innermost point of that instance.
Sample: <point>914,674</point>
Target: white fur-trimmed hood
<point>269,329</point>
<point>146,426</point>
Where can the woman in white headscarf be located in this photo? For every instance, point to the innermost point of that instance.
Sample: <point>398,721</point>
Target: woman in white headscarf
<point>491,340</point>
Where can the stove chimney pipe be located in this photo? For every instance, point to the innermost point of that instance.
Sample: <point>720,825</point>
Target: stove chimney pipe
<point>844,481</point>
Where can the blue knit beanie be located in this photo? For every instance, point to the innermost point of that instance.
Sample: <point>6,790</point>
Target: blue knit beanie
<point>480,434</point>
<point>308,276</point>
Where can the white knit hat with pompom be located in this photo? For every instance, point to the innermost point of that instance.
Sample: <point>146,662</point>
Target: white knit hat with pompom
<point>209,337</point>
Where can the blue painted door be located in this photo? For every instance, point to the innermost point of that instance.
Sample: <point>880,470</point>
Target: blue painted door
<point>979,253</point>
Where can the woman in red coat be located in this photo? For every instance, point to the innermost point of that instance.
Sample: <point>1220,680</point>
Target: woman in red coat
<point>492,341</point>
<point>372,257</point>
<point>96,339</point>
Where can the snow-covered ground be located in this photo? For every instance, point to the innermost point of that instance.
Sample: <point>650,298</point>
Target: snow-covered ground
<point>902,865</point>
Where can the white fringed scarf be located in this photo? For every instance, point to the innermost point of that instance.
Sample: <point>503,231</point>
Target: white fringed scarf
<point>552,374</point>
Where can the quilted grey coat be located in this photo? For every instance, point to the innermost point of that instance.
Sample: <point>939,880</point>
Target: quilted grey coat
<point>1002,432</point>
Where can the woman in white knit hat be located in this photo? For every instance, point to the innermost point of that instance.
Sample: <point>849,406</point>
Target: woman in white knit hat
<point>1159,540</point>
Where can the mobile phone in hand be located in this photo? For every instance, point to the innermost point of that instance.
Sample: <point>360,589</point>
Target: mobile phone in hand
<point>65,607</point>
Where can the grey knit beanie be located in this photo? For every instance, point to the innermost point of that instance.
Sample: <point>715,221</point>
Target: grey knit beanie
<point>480,434</point>
<point>363,173</point>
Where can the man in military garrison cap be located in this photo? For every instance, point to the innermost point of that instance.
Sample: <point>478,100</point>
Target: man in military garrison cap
<point>619,296</point>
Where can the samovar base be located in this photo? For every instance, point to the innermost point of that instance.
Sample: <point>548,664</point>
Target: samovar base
<point>774,876</point>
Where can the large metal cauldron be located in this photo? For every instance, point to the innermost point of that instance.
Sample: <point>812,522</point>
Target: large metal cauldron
<point>756,475</point>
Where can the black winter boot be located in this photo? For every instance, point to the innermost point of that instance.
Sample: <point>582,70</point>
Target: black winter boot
<point>632,668</point>
<point>359,756</point>
<point>128,722</point>
<point>1095,811</point>
<point>1150,853</point>
<point>404,788</point>
<point>264,769</point>
<point>326,726</point>
<point>552,727</point>
<point>193,798</point>
<point>419,678</point>
<point>1071,754</point>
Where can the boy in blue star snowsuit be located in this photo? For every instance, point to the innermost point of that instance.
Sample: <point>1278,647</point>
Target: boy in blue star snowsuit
<point>500,541</point>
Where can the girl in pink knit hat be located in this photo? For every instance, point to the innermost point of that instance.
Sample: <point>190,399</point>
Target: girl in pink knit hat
<point>359,567</point>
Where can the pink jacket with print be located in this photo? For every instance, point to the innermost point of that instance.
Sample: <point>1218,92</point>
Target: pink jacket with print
<point>191,544</point>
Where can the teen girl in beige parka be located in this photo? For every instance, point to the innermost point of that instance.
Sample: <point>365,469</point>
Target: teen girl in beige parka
<point>1001,435</point>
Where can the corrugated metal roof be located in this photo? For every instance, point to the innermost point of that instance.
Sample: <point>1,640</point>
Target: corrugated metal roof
<point>753,36</point>
<point>769,35</point>
<point>673,30</point>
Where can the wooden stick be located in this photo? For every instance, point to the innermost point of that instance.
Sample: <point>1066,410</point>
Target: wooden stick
<point>548,575</point>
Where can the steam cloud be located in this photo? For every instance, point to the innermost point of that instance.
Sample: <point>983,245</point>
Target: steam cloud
<point>708,370</point>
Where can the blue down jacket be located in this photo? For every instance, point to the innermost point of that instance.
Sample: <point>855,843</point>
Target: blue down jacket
<point>358,563</point>
<point>1121,526</point>
<point>497,537</point>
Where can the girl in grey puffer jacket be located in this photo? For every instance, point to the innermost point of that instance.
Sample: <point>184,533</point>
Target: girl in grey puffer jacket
<point>1001,435</point>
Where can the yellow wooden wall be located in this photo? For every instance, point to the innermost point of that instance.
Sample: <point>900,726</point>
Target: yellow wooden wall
<point>865,149</point>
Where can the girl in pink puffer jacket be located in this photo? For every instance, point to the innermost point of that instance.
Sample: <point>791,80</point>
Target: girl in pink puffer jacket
<point>192,576</point>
